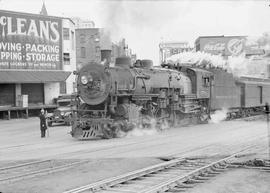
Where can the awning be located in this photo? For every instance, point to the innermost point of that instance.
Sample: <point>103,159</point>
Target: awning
<point>33,76</point>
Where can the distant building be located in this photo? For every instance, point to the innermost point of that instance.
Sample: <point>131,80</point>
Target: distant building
<point>120,49</point>
<point>87,46</point>
<point>167,49</point>
<point>37,57</point>
<point>95,45</point>
<point>92,45</point>
<point>83,23</point>
<point>43,10</point>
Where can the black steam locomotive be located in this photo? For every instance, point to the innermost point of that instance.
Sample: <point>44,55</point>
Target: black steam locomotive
<point>114,100</point>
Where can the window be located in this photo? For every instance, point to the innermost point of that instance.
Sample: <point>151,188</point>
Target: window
<point>63,87</point>
<point>83,54</point>
<point>66,33</point>
<point>72,40</point>
<point>66,59</point>
<point>82,38</point>
<point>97,49</point>
<point>206,81</point>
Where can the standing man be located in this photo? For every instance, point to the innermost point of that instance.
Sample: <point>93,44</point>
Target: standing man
<point>267,111</point>
<point>43,125</point>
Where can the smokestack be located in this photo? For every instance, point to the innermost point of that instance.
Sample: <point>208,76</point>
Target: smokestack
<point>106,54</point>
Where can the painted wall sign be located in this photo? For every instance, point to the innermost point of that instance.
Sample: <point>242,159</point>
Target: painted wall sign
<point>30,41</point>
<point>227,46</point>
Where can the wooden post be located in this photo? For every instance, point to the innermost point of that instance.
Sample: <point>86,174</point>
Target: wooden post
<point>8,114</point>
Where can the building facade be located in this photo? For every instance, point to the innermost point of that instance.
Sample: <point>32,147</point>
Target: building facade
<point>83,23</point>
<point>37,58</point>
<point>95,45</point>
<point>88,46</point>
<point>167,49</point>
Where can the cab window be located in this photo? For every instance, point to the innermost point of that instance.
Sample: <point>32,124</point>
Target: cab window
<point>206,81</point>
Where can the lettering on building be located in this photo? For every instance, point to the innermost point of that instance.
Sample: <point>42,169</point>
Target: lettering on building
<point>30,41</point>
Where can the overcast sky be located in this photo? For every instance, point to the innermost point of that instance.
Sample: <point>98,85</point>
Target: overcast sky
<point>145,24</point>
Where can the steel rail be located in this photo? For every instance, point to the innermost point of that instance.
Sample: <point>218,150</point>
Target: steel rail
<point>180,179</point>
<point>125,177</point>
<point>43,171</point>
<point>101,185</point>
<point>24,164</point>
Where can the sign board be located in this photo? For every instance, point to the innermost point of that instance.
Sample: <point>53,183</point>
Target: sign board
<point>227,46</point>
<point>30,41</point>
<point>168,49</point>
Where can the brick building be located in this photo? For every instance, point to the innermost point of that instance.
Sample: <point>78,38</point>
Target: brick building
<point>94,45</point>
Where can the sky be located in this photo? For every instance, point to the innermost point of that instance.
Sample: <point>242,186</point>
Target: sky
<point>144,24</point>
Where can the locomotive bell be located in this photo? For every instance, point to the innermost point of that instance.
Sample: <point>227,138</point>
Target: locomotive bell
<point>93,84</point>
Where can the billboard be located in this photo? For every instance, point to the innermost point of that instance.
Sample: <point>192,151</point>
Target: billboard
<point>30,41</point>
<point>168,49</point>
<point>227,46</point>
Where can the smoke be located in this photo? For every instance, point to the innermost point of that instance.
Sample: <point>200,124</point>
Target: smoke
<point>123,17</point>
<point>240,65</point>
<point>148,126</point>
<point>199,59</point>
<point>219,115</point>
<point>142,23</point>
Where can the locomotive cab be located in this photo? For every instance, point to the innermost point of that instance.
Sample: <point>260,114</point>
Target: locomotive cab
<point>201,81</point>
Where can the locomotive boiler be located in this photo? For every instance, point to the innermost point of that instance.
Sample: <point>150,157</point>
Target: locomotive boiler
<point>116,99</point>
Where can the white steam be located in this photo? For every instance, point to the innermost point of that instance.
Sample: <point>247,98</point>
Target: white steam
<point>148,126</point>
<point>252,62</point>
<point>218,116</point>
<point>237,65</point>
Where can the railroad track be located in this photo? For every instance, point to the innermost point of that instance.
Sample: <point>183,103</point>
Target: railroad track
<point>35,168</point>
<point>171,176</point>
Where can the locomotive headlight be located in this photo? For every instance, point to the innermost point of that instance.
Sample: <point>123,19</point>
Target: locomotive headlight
<point>84,80</point>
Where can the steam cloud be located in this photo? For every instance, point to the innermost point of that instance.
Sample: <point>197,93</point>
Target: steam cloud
<point>148,127</point>
<point>240,65</point>
<point>219,116</point>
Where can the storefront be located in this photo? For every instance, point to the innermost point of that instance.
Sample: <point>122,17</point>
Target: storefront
<point>7,94</point>
<point>31,83</point>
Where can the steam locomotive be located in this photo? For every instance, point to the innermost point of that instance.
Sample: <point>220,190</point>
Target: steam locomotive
<point>113,100</point>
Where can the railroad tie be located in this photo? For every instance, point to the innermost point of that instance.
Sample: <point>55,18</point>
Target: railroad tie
<point>219,169</point>
<point>194,180</point>
<point>202,178</point>
<point>184,185</point>
<point>119,190</point>
<point>209,175</point>
<point>213,173</point>
<point>177,189</point>
<point>233,166</point>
